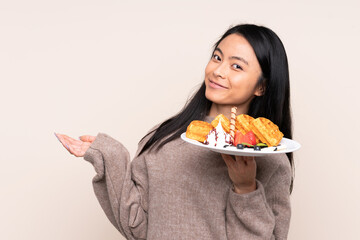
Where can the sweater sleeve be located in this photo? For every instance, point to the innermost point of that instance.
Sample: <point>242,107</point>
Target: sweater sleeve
<point>120,191</point>
<point>263,213</point>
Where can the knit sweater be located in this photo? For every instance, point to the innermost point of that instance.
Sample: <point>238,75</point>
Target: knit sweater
<point>184,192</point>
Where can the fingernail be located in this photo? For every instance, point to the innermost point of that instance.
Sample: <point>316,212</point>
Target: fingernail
<point>57,137</point>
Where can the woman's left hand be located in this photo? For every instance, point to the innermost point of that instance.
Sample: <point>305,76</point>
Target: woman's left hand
<point>242,172</point>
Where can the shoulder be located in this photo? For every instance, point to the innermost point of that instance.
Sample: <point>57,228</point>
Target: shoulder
<point>146,138</point>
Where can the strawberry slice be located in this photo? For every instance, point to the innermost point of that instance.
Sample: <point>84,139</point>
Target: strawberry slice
<point>238,138</point>
<point>249,138</point>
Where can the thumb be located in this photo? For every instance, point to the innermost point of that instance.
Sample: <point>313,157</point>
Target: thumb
<point>87,138</point>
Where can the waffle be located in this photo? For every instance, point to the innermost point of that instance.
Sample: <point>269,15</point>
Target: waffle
<point>266,131</point>
<point>243,122</point>
<point>198,130</point>
<point>225,123</point>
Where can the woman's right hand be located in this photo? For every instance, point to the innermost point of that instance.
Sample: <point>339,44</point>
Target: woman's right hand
<point>74,146</point>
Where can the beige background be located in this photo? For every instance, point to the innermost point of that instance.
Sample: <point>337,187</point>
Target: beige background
<point>88,66</point>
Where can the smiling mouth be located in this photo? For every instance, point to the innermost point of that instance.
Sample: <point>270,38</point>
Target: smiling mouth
<point>216,85</point>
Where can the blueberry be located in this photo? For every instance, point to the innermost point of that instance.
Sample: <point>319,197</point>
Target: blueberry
<point>257,148</point>
<point>240,146</point>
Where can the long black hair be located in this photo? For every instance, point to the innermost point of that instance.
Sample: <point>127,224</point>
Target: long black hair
<point>274,104</point>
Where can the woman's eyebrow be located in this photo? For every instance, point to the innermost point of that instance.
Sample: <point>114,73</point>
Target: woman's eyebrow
<point>233,57</point>
<point>240,59</point>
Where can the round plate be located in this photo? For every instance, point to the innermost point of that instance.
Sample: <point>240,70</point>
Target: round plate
<point>286,145</point>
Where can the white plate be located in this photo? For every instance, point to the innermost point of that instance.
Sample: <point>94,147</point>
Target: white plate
<point>286,146</point>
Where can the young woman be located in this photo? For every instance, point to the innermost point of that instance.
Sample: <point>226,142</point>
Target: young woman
<point>175,190</point>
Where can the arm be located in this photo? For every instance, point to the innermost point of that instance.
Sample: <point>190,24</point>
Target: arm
<point>265,212</point>
<point>120,189</point>
<point>120,185</point>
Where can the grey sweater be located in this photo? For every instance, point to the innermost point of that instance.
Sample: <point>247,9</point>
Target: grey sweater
<point>184,192</point>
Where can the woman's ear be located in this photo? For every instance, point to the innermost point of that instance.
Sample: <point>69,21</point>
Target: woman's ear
<point>260,90</point>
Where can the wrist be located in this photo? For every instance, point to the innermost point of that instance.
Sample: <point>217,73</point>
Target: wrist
<point>242,189</point>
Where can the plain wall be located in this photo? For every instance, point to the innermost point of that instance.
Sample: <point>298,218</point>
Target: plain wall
<point>120,67</point>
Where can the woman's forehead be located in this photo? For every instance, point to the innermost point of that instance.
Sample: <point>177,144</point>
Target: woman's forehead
<point>235,45</point>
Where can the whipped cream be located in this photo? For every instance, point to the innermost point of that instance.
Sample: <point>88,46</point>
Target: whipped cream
<point>217,137</point>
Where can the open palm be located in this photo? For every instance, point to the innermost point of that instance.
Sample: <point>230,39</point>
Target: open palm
<point>74,146</point>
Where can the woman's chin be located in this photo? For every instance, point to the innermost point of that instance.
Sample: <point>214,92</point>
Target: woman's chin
<point>216,99</point>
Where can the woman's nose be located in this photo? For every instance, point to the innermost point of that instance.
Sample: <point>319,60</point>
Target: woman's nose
<point>220,71</point>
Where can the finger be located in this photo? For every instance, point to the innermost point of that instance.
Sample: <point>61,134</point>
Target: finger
<point>79,151</point>
<point>250,161</point>
<point>239,161</point>
<point>87,138</point>
<point>62,140</point>
<point>244,159</point>
<point>246,162</point>
<point>76,151</point>
<point>229,160</point>
<point>72,141</point>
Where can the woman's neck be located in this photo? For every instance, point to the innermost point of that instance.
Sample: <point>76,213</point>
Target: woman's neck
<point>217,109</point>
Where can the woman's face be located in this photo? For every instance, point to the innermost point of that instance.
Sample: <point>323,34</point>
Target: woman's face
<point>232,73</point>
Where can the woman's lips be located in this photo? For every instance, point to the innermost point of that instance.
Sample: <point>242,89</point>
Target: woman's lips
<point>213,84</point>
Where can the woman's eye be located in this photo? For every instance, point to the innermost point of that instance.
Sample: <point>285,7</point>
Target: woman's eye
<point>216,57</point>
<point>236,66</point>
